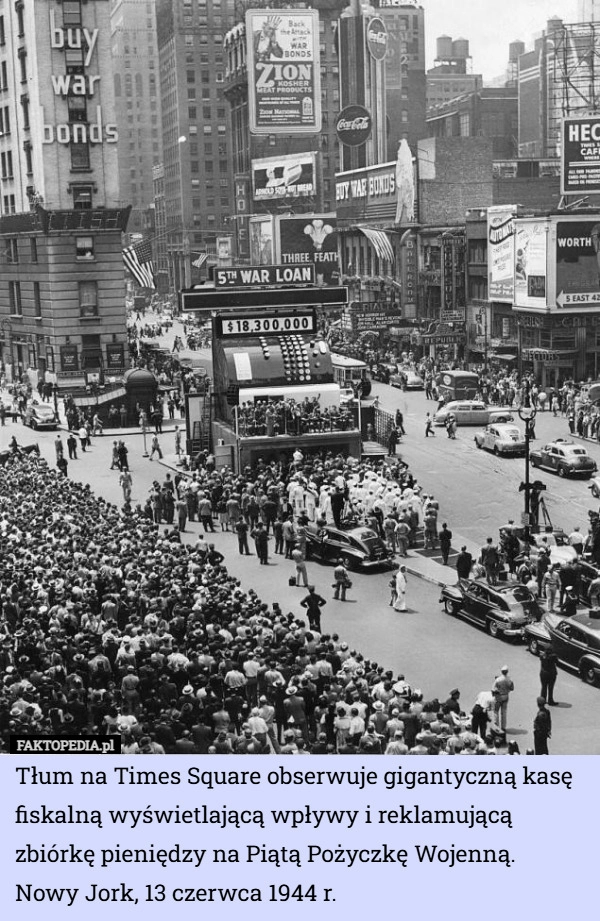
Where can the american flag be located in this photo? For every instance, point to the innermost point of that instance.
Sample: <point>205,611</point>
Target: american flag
<point>199,262</point>
<point>138,261</point>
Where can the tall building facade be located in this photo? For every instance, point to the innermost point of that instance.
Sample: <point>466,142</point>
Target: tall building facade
<point>62,289</point>
<point>252,155</point>
<point>406,83</point>
<point>137,99</point>
<point>196,131</point>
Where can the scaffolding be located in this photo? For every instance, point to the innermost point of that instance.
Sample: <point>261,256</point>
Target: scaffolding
<point>572,76</point>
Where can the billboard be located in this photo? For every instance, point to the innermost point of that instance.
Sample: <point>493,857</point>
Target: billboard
<point>580,155</point>
<point>530,264</point>
<point>501,252</point>
<point>261,241</point>
<point>284,177</point>
<point>284,72</point>
<point>312,239</point>
<point>578,263</point>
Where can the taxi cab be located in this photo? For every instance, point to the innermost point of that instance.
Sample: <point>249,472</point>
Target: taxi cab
<point>501,438</point>
<point>564,458</point>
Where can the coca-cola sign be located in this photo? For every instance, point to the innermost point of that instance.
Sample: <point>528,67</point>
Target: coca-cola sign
<point>377,38</point>
<point>353,126</point>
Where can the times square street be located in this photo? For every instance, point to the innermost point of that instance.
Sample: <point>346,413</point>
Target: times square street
<point>477,493</point>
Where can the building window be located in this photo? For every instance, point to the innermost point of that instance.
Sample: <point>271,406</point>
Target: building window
<point>77,108</point>
<point>3,76</point>
<point>22,54</point>
<point>14,298</point>
<point>6,161</point>
<point>2,32</point>
<point>74,60</point>
<point>33,249</point>
<point>12,250</point>
<point>20,22</point>
<point>9,205</point>
<point>80,156</point>
<point>37,299</point>
<point>28,158</point>
<point>82,197</point>
<point>25,108</point>
<point>71,12</point>
<point>88,298</point>
<point>84,248</point>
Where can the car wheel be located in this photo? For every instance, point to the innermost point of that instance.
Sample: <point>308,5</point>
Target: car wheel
<point>33,424</point>
<point>496,451</point>
<point>595,492</point>
<point>534,462</point>
<point>479,444</point>
<point>348,561</point>
<point>588,673</point>
<point>534,646</point>
<point>562,472</point>
<point>451,607</point>
<point>493,629</point>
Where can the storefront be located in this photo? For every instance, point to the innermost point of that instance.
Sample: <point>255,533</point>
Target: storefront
<point>559,348</point>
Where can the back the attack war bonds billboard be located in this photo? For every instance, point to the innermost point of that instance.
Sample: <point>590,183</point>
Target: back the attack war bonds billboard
<point>284,73</point>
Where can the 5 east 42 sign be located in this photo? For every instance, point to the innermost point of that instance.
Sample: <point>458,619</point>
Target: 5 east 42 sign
<point>284,83</point>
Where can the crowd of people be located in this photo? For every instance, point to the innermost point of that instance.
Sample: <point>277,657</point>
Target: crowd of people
<point>111,624</point>
<point>291,417</point>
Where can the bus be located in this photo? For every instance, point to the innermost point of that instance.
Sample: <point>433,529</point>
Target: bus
<point>457,385</point>
<point>351,373</point>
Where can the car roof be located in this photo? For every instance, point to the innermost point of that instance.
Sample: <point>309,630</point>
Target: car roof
<point>584,619</point>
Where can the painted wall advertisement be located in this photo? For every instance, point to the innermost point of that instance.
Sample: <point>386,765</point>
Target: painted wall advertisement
<point>284,177</point>
<point>284,84</point>
<point>578,263</point>
<point>580,149</point>
<point>311,239</point>
<point>530,264</point>
<point>501,253</point>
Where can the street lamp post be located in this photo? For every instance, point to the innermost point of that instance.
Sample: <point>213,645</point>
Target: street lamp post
<point>527,415</point>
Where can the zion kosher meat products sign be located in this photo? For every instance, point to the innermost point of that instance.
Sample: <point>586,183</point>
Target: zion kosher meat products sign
<point>284,61</point>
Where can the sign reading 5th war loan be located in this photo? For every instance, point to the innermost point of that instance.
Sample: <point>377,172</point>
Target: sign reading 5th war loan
<point>284,85</point>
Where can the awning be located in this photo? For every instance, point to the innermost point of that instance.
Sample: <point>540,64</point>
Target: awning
<point>381,242</point>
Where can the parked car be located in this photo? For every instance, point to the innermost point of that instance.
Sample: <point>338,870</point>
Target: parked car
<point>501,438</point>
<point>40,416</point>
<point>414,381</point>
<point>503,610</point>
<point>359,548</point>
<point>565,458</point>
<point>398,380</point>
<point>595,487</point>
<point>575,640</point>
<point>383,372</point>
<point>472,412</point>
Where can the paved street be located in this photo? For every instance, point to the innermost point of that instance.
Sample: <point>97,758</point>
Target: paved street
<point>435,651</point>
<point>477,491</point>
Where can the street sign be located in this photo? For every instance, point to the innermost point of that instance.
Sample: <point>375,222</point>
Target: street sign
<point>207,299</point>
<point>525,519</point>
<point>253,275</point>
<point>578,299</point>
